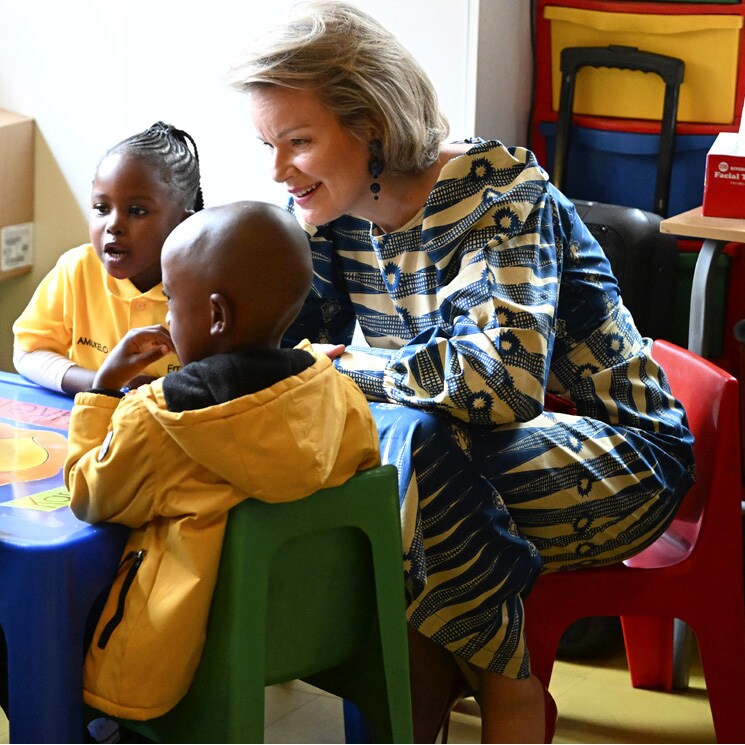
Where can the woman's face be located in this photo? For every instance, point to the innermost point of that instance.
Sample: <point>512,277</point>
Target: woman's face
<point>322,165</point>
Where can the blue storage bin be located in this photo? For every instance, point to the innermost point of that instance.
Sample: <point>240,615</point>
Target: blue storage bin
<point>621,167</point>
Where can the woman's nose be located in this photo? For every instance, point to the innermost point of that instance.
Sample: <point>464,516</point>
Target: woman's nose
<point>280,166</point>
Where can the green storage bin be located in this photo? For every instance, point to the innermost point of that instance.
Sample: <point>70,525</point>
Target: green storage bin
<point>682,303</point>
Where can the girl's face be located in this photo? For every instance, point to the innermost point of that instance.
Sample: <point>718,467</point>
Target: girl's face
<point>322,165</point>
<point>132,213</point>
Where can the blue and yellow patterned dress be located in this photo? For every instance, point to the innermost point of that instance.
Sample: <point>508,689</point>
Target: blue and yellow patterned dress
<point>494,295</point>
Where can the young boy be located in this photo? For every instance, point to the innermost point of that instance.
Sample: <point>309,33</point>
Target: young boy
<point>242,418</point>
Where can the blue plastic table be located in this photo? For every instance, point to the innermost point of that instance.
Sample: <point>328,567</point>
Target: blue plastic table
<point>53,567</point>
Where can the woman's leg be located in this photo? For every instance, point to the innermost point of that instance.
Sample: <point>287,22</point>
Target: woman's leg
<point>584,493</point>
<point>437,684</point>
<point>512,710</point>
<point>466,563</point>
<point>580,490</point>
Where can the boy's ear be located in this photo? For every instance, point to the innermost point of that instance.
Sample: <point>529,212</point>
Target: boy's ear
<point>221,320</point>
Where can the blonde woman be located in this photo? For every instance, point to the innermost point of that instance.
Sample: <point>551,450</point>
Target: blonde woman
<point>530,425</point>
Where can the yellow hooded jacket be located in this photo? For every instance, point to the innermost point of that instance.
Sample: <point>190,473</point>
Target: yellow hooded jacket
<point>172,477</point>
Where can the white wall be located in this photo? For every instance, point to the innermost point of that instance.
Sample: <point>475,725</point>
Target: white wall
<point>92,73</point>
<point>503,71</point>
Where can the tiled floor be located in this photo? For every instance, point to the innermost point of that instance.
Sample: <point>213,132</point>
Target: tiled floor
<point>595,699</point>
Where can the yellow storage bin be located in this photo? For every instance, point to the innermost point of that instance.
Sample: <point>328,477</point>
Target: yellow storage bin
<point>708,44</point>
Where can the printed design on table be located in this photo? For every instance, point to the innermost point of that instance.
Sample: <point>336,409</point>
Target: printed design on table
<point>30,454</point>
<point>32,413</point>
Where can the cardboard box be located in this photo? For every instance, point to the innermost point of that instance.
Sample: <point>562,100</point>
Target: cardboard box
<point>16,180</point>
<point>724,183</point>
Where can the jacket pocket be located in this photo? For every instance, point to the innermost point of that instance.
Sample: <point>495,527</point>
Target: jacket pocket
<point>133,560</point>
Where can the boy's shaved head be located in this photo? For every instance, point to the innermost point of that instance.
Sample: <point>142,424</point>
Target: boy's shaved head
<point>254,255</point>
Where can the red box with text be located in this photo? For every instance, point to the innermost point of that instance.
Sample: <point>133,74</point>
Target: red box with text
<point>724,183</point>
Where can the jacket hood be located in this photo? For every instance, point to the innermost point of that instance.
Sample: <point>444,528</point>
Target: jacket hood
<point>286,427</point>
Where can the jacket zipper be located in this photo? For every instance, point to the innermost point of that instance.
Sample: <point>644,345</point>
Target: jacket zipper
<point>135,557</point>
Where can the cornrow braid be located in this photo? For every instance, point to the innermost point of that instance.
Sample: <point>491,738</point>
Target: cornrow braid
<point>167,148</point>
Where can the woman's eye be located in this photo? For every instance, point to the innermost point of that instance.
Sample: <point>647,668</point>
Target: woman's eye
<point>299,142</point>
<point>268,145</point>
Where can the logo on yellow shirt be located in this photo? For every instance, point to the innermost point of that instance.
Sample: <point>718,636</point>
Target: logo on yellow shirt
<point>86,342</point>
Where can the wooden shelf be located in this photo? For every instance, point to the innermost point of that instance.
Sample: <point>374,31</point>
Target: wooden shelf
<point>694,224</point>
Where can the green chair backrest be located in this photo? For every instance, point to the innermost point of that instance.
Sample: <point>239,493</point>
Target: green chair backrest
<point>309,589</point>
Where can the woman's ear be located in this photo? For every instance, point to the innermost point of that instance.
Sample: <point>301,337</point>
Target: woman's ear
<point>221,320</point>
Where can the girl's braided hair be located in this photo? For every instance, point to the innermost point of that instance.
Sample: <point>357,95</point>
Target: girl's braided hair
<point>167,149</point>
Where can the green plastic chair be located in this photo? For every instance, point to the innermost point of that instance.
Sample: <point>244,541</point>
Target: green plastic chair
<point>311,589</point>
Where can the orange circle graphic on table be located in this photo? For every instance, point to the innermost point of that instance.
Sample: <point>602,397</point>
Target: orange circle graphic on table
<point>30,454</point>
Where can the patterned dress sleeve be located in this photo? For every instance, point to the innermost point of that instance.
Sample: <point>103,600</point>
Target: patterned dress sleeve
<point>460,312</point>
<point>483,357</point>
<point>327,315</point>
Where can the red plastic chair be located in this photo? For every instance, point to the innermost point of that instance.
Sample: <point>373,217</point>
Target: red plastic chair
<point>693,572</point>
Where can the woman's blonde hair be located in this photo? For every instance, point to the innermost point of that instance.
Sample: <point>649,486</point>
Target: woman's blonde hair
<point>361,73</point>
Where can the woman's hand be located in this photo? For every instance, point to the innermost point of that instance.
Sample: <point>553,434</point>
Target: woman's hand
<point>332,351</point>
<point>137,349</point>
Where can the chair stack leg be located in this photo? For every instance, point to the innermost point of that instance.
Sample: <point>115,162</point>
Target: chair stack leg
<point>649,650</point>
<point>722,650</point>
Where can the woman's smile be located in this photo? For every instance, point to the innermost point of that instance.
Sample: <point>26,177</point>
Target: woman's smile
<point>299,195</point>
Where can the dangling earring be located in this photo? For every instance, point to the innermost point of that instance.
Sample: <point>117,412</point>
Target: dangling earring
<point>376,165</point>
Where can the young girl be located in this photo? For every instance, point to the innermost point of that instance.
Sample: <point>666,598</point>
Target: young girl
<point>143,187</point>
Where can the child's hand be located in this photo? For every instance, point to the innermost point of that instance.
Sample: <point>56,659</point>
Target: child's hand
<point>138,349</point>
<point>139,380</point>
